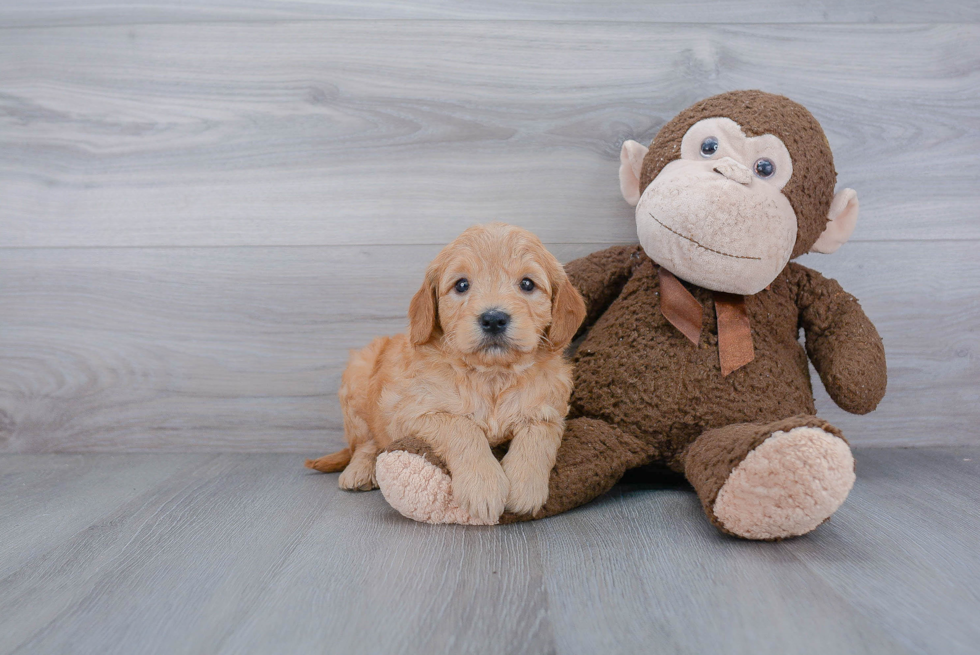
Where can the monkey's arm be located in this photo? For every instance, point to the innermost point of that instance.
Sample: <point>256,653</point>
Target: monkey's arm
<point>842,343</point>
<point>600,278</point>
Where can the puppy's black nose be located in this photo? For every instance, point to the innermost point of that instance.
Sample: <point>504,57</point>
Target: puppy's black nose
<point>494,321</point>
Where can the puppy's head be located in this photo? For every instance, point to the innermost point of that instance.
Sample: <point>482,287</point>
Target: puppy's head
<point>495,294</point>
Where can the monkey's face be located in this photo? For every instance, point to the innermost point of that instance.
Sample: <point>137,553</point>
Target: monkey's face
<point>717,216</point>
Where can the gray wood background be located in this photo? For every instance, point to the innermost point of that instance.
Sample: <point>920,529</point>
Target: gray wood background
<point>203,205</point>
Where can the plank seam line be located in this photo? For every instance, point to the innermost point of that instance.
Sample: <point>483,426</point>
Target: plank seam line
<point>485,21</point>
<point>404,245</point>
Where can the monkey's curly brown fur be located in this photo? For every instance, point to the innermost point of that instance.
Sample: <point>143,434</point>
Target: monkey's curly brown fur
<point>637,374</point>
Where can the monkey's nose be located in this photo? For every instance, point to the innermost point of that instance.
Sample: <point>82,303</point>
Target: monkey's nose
<point>494,321</point>
<point>733,170</point>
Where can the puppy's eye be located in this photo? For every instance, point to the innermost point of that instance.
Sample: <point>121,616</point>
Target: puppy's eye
<point>462,285</point>
<point>765,168</point>
<point>709,146</point>
<point>527,284</point>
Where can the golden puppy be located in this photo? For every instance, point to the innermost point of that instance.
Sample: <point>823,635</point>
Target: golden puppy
<point>482,365</point>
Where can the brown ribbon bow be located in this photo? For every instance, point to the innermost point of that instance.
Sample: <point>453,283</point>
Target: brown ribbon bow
<point>684,312</point>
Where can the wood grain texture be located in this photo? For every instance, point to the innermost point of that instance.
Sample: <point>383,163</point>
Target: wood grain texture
<point>75,12</point>
<point>379,132</point>
<point>913,508</point>
<point>46,500</point>
<point>205,204</point>
<point>253,554</point>
<point>242,348</point>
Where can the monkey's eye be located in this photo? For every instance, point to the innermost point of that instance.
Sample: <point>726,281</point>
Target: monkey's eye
<point>527,284</point>
<point>462,285</point>
<point>709,146</point>
<point>765,168</point>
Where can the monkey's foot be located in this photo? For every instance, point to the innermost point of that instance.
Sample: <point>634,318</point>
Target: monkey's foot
<point>787,486</point>
<point>783,483</point>
<point>416,483</point>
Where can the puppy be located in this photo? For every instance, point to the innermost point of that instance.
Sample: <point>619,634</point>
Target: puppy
<point>482,365</point>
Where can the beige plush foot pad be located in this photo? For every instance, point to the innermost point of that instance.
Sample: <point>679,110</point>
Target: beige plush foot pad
<point>420,490</point>
<point>787,486</point>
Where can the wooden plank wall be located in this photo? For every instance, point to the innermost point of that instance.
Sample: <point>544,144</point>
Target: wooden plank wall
<point>203,205</point>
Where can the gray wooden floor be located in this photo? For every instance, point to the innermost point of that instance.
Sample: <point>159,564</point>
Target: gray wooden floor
<point>238,553</point>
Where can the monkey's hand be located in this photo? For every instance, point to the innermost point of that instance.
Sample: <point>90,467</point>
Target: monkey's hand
<point>842,343</point>
<point>600,278</point>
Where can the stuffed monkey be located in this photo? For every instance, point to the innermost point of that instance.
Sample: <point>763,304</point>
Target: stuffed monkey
<point>691,358</point>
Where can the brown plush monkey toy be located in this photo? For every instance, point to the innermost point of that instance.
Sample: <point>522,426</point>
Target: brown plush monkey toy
<point>692,358</point>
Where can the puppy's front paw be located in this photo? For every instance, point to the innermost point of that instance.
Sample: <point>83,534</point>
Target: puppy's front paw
<point>528,489</point>
<point>482,490</point>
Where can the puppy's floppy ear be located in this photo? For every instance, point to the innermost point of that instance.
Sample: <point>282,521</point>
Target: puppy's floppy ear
<point>423,313</point>
<point>567,311</point>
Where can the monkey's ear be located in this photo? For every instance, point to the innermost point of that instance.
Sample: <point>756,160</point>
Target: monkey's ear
<point>422,319</point>
<point>842,217</point>
<point>630,163</point>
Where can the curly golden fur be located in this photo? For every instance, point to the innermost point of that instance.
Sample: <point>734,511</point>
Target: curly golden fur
<point>463,390</point>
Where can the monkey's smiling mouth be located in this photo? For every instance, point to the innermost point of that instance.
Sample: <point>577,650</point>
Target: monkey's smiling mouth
<point>701,245</point>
